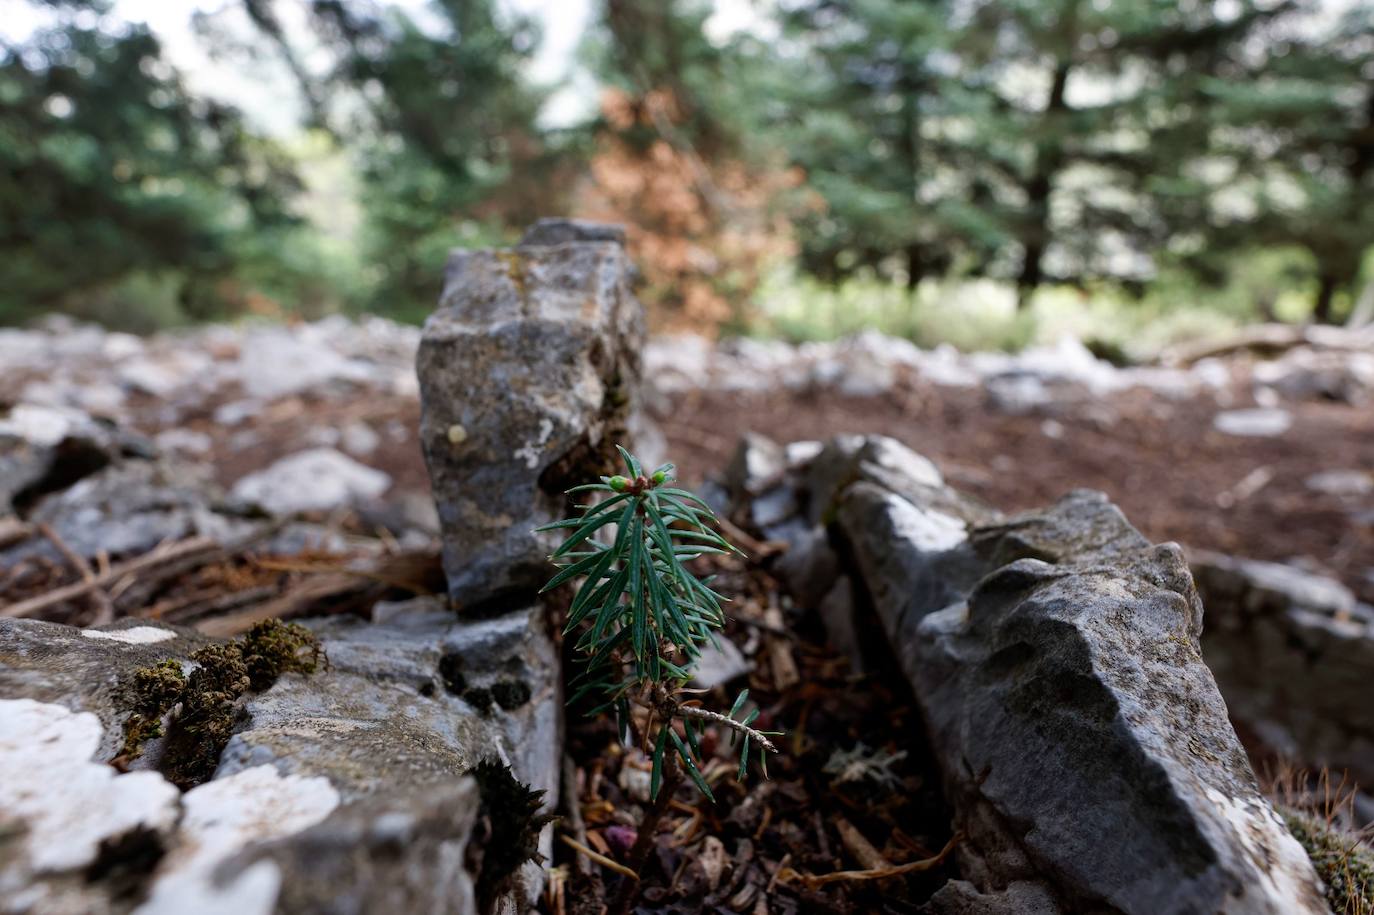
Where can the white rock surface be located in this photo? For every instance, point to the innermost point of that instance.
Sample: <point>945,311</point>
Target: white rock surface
<point>43,426</point>
<point>134,635</point>
<point>1342,482</point>
<point>320,479</point>
<point>223,817</point>
<point>65,802</point>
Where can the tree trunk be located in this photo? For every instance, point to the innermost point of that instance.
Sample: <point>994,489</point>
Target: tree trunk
<point>1049,159</point>
<point>1326,291</point>
<point>915,266</point>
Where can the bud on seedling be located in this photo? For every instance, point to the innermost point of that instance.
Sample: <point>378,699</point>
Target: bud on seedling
<point>618,483</point>
<point>660,478</point>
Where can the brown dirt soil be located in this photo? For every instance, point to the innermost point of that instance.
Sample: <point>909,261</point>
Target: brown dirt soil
<point>1160,460</point>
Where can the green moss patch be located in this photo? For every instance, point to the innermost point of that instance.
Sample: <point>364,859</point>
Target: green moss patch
<point>272,648</point>
<point>154,691</point>
<point>1343,862</point>
<point>209,698</point>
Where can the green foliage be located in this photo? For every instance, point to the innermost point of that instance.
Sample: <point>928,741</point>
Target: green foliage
<point>441,128</point>
<point>110,168</point>
<point>272,648</point>
<point>1148,148</point>
<point>154,691</point>
<point>644,616</point>
<point>1064,141</point>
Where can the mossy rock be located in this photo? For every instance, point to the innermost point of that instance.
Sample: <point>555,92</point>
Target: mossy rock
<point>1343,861</point>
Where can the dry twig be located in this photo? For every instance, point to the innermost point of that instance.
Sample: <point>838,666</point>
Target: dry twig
<point>813,881</point>
<point>599,858</point>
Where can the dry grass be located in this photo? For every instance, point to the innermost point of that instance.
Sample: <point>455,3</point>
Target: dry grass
<point>1320,812</point>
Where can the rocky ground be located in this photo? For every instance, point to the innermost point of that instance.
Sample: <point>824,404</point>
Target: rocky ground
<point>1263,457</point>
<point>952,673</point>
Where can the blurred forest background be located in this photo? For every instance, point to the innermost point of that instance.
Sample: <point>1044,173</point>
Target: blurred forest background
<point>983,173</point>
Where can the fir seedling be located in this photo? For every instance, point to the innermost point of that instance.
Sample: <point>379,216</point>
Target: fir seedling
<point>643,616</point>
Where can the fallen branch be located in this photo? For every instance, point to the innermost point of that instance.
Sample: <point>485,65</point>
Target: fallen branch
<point>82,588</point>
<point>858,846</point>
<point>814,881</point>
<point>12,530</point>
<point>137,593</point>
<point>104,608</point>
<point>757,550</point>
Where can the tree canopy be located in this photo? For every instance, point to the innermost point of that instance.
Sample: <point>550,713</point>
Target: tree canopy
<point>1031,141</point>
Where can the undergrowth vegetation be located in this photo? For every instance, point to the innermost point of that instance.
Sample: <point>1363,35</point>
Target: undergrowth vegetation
<point>643,617</point>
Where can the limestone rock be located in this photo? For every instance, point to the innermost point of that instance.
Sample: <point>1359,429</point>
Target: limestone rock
<point>1291,652</point>
<point>86,670</point>
<point>44,449</point>
<point>320,479</point>
<point>529,375</point>
<point>719,664</point>
<point>1083,741</point>
<point>876,459</point>
<point>1085,747</point>
<point>959,897</point>
<point>131,507</point>
<point>387,711</point>
<point>757,462</point>
<point>404,852</point>
<point>343,790</point>
<point>558,231</point>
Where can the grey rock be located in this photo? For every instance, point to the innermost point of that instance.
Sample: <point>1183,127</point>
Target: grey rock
<point>771,508</point>
<point>1291,652</point>
<point>86,670</point>
<point>1055,657</point>
<point>344,790</point>
<point>529,375</point>
<point>912,559</point>
<point>1018,393</point>
<point>884,462</point>
<point>838,615</point>
<point>719,664</point>
<point>277,361</point>
<point>45,449</point>
<point>757,462</point>
<point>959,897</point>
<point>403,852</point>
<point>320,479</point>
<point>359,438</point>
<point>384,713</point>
<point>1306,373</point>
<point>809,568</point>
<point>1341,482</point>
<point>130,507</point>
<point>555,231</point>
